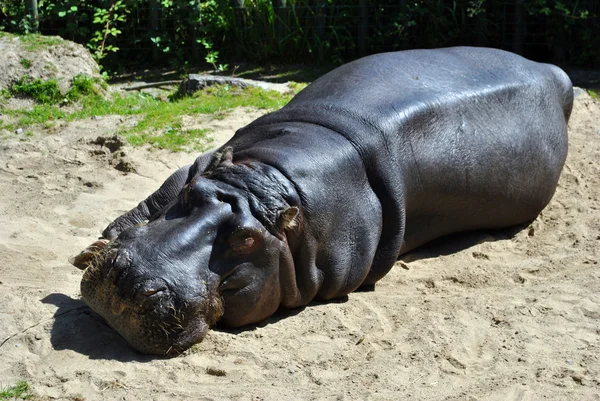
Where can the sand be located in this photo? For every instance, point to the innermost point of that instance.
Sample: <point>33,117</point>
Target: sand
<point>510,315</point>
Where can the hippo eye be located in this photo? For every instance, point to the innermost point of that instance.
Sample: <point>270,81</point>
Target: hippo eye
<point>243,242</point>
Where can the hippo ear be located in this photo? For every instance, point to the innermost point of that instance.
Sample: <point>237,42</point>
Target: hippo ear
<point>224,157</point>
<point>286,218</point>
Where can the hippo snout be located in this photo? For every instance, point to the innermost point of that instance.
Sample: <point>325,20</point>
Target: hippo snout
<point>154,315</point>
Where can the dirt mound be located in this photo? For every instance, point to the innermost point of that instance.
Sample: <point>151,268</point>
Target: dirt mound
<point>44,57</point>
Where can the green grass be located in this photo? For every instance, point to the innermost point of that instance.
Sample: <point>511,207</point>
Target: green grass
<point>34,42</point>
<point>85,86</point>
<point>160,122</point>
<point>18,391</point>
<point>25,62</point>
<point>173,138</point>
<point>42,91</point>
<point>48,92</point>
<point>593,94</point>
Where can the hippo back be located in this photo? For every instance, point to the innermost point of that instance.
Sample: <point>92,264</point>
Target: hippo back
<point>449,140</point>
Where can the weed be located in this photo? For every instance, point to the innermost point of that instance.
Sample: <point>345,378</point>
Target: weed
<point>173,138</point>
<point>18,391</point>
<point>297,86</point>
<point>40,114</point>
<point>34,43</point>
<point>45,92</point>
<point>25,63</point>
<point>82,86</point>
<point>156,116</point>
<point>593,94</point>
<point>48,92</point>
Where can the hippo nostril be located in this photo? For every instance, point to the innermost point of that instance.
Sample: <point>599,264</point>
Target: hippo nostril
<point>150,294</point>
<point>117,263</point>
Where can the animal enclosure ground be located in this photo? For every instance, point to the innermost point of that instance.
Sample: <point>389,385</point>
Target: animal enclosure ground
<point>485,316</point>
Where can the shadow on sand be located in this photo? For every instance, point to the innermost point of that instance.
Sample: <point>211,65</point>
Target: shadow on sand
<point>458,242</point>
<point>77,328</point>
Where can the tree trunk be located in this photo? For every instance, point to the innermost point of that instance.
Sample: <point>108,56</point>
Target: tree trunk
<point>32,11</point>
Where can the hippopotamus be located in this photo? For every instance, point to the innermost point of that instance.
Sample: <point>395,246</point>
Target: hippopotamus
<point>321,197</point>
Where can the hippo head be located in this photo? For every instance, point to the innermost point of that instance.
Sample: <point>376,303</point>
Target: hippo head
<point>211,254</point>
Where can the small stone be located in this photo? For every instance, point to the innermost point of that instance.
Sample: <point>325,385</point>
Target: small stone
<point>480,255</point>
<point>19,131</point>
<point>531,231</point>
<point>578,91</point>
<point>404,266</point>
<point>94,117</point>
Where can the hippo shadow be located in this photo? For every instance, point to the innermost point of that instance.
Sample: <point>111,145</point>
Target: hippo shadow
<point>457,242</point>
<point>281,314</point>
<point>77,328</point>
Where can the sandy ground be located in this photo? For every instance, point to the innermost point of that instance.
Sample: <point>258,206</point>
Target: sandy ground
<point>511,315</point>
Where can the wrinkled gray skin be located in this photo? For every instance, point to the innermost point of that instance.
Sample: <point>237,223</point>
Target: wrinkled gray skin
<point>321,197</point>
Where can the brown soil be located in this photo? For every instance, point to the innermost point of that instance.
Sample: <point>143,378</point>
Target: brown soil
<point>512,315</point>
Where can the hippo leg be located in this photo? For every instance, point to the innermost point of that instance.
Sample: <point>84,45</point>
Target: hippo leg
<point>155,202</point>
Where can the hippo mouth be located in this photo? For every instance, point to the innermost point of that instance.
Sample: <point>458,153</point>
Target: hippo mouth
<point>149,314</point>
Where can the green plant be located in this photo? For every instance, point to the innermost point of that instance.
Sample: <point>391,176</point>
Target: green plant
<point>18,391</point>
<point>173,138</point>
<point>106,19</point>
<point>593,94</point>
<point>212,56</point>
<point>48,92</point>
<point>42,91</point>
<point>35,42</point>
<point>159,123</point>
<point>82,86</point>
<point>25,63</point>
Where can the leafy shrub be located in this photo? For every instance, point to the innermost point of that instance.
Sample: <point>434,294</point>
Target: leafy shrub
<point>180,32</point>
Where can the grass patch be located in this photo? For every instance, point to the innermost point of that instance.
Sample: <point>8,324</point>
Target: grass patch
<point>173,138</point>
<point>25,63</point>
<point>34,42</point>
<point>297,86</point>
<point>18,391</point>
<point>42,91</point>
<point>48,92</point>
<point>160,122</point>
<point>593,94</point>
<point>85,86</point>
